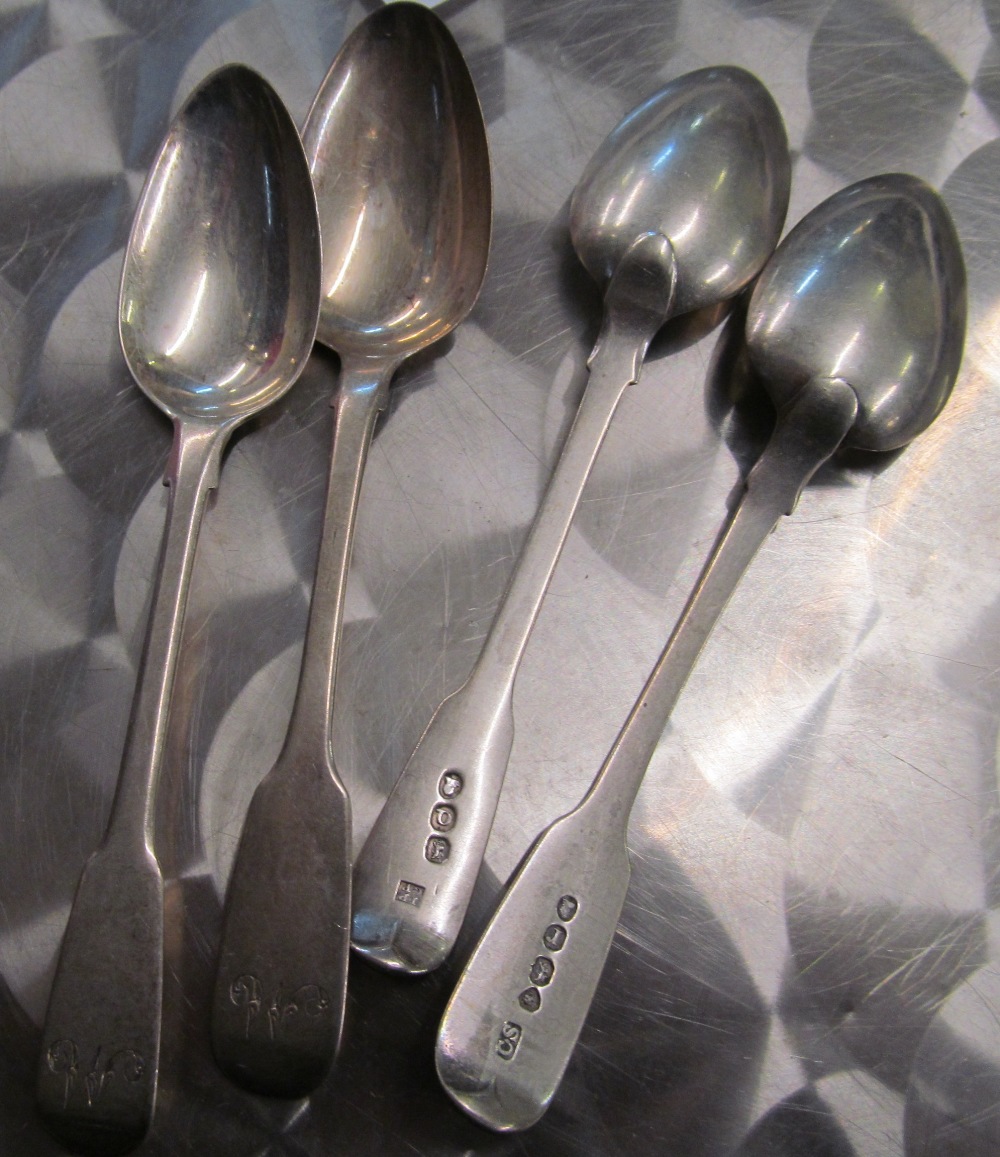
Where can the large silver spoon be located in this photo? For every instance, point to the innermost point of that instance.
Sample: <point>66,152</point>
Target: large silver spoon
<point>218,310</point>
<point>397,148</point>
<point>679,209</point>
<point>857,325</point>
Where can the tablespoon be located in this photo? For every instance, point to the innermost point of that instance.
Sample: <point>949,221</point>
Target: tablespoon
<point>857,325</point>
<point>678,209</point>
<point>218,309</point>
<point>398,154</point>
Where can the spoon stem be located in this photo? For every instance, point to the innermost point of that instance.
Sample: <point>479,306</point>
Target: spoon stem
<point>517,1010</point>
<point>192,472</point>
<point>414,878</point>
<point>278,1005</point>
<point>362,394</point>
<point>98,1068</point>
<point>807,433</point>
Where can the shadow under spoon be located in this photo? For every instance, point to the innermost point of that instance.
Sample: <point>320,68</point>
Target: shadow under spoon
<point>217,317</point>
<point>678,210</point>
<point>397,150</point>
<point>857,326</point>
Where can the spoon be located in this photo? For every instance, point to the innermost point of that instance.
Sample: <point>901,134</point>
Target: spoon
<point>679,209</point>
<point>217,316</point>
<point>398,154</point>
<point>857,326</point>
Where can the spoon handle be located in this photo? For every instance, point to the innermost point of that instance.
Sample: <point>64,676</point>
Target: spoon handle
<point>278,1005</point>
<point>414,878</point>
<point>100,1045</point>
<point>520,1003</point>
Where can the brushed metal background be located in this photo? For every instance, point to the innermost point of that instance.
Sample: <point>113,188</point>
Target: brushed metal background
<point>808,959</point>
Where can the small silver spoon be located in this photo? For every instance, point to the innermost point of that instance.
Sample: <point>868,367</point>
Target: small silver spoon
<point>217,316</point>
<point>397,148</point>
<point>857,326</point>
<point>679,209</point>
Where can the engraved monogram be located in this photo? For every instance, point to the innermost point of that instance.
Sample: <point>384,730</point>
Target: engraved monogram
<point>63,1059</point>
<point>246,992</point>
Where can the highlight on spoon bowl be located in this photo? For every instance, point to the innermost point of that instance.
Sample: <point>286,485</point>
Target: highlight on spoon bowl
<point>857,326</point>
<point>218,310</point>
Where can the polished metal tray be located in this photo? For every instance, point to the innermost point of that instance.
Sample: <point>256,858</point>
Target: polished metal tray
<point>808,957</point>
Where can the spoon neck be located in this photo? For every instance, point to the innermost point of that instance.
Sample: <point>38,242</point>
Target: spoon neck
<point>361,395</point>
<point>637,302</point>
<point>192,471</point>
<point>809,430</point>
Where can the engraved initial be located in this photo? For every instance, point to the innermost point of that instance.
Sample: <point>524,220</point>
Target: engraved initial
<point>62,1060</point>
<point>245,991</point>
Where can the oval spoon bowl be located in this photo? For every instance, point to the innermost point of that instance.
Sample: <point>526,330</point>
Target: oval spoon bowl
<point>704,161</point>
<point>869,287</point>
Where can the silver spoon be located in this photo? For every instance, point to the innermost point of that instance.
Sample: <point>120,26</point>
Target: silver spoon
<point>679,209</point>
<point>397,148</point>
<point>218,311</point>
<point>857,326</point>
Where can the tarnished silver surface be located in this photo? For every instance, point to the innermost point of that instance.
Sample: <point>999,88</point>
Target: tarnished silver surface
<point>807,958</point>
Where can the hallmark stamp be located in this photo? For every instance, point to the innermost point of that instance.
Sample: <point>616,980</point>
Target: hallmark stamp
<point>509,1039</point>
<point>443,817</point>
<point>567,908</point>
<point>450,785</point>
<point>438,850</point>
<point>530,1000</point>
<point>407,893</point>
<point>554,937</point>
<point>542,971</point>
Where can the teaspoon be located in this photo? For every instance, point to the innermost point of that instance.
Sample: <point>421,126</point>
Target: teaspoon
<point>679,209</point>
<point>857,326</point>
<point>397,149</point>
<point>217,316</point>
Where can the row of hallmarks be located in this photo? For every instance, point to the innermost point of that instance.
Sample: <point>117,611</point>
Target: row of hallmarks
<point>541,974</point>
<point>443,817</point>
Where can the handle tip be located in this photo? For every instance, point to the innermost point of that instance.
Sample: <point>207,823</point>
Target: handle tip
<point>397,944</point>
<point>500,1105</point>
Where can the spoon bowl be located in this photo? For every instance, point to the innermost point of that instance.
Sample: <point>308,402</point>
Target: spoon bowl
<point>403,184</point>
<point>869,287</point>
<point>218,312</point>
<point>704,162</point>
